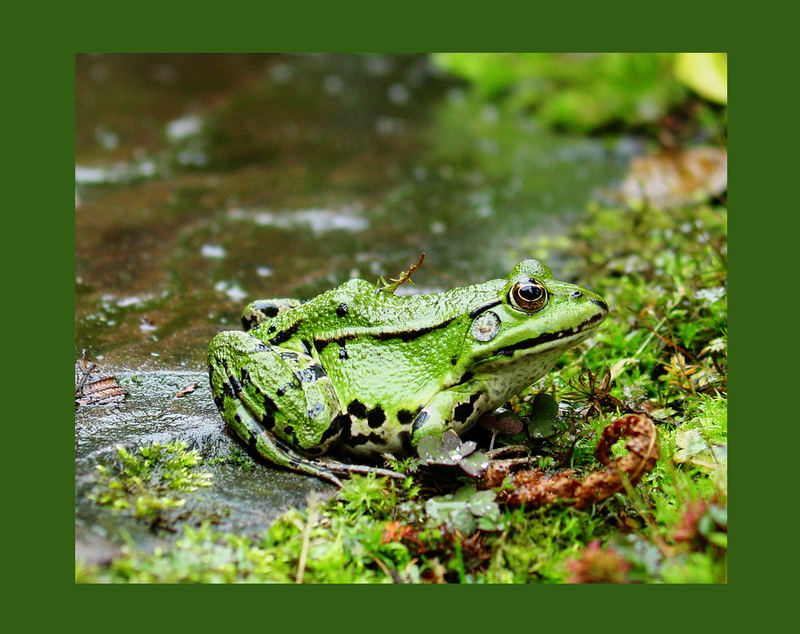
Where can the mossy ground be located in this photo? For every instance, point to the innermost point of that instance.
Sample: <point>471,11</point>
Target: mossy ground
<point>664,348</point>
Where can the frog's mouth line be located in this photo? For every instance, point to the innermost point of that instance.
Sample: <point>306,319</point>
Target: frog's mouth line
<point>568,334</point>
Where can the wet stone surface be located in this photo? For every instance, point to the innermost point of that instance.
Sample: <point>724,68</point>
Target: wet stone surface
<point>243,497</point>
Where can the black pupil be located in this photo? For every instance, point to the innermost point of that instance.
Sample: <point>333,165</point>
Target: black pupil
<point>530,292</point>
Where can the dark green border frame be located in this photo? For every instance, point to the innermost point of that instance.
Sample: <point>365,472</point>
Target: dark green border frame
<point>39,494</point>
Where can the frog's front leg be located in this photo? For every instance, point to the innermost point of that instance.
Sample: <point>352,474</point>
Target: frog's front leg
<point>455,408</point>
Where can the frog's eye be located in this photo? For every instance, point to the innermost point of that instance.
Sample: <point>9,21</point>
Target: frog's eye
<point>528,296</point>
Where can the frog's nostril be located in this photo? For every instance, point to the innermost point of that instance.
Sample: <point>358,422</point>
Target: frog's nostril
<point>576,294</point>
<point>600,303</point>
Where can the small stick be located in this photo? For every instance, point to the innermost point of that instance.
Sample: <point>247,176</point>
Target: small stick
<point>311,519</point>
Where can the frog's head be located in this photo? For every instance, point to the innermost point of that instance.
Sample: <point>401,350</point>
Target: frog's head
<point>531,322</point>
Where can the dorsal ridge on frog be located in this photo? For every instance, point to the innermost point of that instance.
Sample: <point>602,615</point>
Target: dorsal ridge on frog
<point>370,372</point>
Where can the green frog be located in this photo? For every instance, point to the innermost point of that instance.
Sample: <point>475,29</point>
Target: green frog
<point>363,370</point>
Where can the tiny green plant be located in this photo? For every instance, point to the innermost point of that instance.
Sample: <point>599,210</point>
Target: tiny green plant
<point>149,479</point>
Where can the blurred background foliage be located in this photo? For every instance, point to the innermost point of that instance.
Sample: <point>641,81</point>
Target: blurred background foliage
<point>592,92</point>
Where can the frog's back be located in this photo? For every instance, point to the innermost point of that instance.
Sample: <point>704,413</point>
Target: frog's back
<point>358,305</point>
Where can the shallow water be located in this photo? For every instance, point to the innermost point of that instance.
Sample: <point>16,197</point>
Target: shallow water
<point>203,182</point>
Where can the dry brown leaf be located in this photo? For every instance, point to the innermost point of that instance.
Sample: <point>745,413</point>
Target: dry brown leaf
<point>533,487</point>
<point>186,389</point>
<point>673,178</point>
<point>95,388</point>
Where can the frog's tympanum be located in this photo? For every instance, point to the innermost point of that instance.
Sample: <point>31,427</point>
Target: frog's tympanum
<point>364,371</point>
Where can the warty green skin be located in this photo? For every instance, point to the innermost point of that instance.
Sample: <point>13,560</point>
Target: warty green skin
<point>369,372</point>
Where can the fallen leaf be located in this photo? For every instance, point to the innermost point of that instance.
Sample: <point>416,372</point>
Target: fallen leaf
<point>187,389</point>
<point>95,388</point>
<point>691,443</point>
<point>533,487</point>
<point>673,178</point>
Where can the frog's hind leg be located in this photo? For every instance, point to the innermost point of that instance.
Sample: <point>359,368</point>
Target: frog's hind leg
<point>273,449</point>
<point>277,399</point>
<point>238,398</point>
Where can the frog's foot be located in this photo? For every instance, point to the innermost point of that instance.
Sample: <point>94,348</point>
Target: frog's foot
<point>262,310</point>
<point>279,453</point>
<point>273,449</point>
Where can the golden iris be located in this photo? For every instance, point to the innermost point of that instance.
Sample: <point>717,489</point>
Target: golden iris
<point>528,296</point>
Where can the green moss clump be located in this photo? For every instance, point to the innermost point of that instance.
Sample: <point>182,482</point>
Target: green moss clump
<point>150,480</point>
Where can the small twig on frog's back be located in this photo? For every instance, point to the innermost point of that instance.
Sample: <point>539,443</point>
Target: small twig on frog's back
<point>404,277</point>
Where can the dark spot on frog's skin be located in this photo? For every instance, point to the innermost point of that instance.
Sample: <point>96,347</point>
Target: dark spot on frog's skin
<point>357,409</point>
<point>342,351</point>
<point>318,370</point>
<point>376,417</point>
<point>237,387</point>
<point>271,329</point>
<point>346,422</point>
<point>268,420</point>
<point>320,344</point>
<point>600,303</point>
<point>405,441</point>
<point>420,420</point>
<point>335,428</point>
<point>237,418</point>
<point>283,335</point>
<point>462,412</point>
<point>244,375</point>
<point>362,439</point>
<point>306,346</point>
<point>287,355</point>
<point>454,360</point>
<point>341,310</point>
<point>314,410</point>
<point>228,390</point>
<point>310,374</point>
<point>289,431</point>
<point>269,404</point>
<point>404,417</point>
<point>219,402</point>
<point>268,310</point>
<point>289,386</point>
